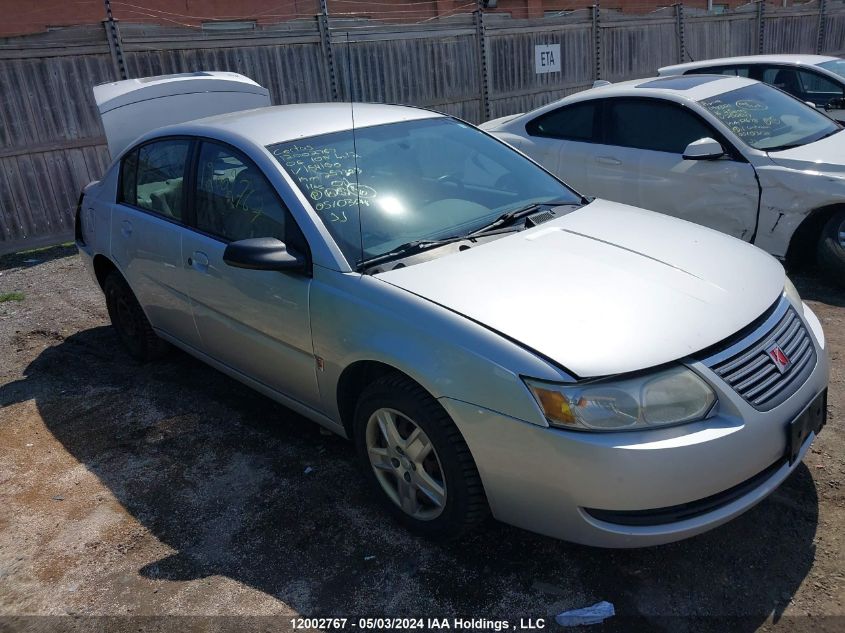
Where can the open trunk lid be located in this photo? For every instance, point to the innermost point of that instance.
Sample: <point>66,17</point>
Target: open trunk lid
<point>134,107</point>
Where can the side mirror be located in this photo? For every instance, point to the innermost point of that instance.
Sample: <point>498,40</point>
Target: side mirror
<point>262,253</point>
<point>835,104</point>
<point>704,149</point>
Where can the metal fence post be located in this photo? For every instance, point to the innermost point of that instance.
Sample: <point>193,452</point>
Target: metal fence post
<point>328,53</point>
<point>679,23</point>
<point>822,27</point>
<point>761,27</point>
<point>481,37</point>
<point>594,13</point>
<point>115,43</point>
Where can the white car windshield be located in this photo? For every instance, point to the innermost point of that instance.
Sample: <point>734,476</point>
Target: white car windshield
<point>414,180</point>
<point>835,66</point>
<point>767,119</point>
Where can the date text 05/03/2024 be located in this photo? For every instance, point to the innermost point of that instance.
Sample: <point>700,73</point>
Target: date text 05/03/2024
<point>422,624</point>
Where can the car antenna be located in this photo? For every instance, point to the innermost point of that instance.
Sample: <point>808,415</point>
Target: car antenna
<point>354,142</point>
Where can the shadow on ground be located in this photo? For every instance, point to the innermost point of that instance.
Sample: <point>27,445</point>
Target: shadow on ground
<point>814,286</point>
<point>36,256</point>
<point>216,472</point>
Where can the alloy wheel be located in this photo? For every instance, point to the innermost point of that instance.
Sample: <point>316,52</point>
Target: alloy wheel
<point>406,464</point>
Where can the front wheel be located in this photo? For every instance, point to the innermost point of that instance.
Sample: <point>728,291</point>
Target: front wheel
<point>831,251</point>
<point>416,460</point>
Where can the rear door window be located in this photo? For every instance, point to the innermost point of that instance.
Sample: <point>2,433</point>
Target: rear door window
<point>651,124</point>
<point>786,79</point>
<point>574,122</point>
<point>152,177</point>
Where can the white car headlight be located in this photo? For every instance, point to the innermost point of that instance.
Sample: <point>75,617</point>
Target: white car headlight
<point>669,396</point>
<point>792,294</point>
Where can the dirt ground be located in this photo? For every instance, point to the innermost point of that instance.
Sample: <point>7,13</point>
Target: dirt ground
<point>134,491</point>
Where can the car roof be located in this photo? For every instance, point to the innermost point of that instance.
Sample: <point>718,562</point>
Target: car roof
<point>682,88</point>
<point>277,124</point>
<point>674,88</point>
<point>801,60</point>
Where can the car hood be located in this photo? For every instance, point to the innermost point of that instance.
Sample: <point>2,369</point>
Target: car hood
<point>606,289</point>
<point>826,155</point>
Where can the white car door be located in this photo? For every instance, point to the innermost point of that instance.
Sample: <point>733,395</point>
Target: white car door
<point>642,163</point>
<point>561,140</point>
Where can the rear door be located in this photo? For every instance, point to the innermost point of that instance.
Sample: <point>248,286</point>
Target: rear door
<point>254,321</point>
<point>562,141</point>
<point>146,232</point>
<point>645,138</point>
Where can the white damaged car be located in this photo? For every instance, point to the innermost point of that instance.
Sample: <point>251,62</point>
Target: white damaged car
<point>730,153</point>
<point>493,342</point>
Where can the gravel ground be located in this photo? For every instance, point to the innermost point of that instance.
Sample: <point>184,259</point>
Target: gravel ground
<point>131,490</point>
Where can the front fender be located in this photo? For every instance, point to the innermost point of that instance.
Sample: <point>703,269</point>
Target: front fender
<point>360,318</point>
<point>789,197</point>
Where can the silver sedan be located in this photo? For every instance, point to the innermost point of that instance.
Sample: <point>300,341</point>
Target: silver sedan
<point>492,341</point>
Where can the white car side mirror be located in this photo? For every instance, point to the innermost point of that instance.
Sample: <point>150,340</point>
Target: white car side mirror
<point>704,149</point>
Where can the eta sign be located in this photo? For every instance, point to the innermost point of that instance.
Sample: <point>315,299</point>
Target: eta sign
<point>547,58</point>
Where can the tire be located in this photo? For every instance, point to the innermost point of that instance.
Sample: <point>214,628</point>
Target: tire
<point>129,320</point>
<point>448,462</point>
<point>831,248</point>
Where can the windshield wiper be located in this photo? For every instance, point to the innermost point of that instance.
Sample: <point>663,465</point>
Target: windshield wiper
<point>511,216</point>
<point>409,248</point>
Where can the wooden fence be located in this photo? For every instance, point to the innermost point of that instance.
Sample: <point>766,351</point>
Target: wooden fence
<point>475,66</point>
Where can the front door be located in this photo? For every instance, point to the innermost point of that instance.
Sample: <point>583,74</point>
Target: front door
<point>647,138</point>
<point>256,322</point>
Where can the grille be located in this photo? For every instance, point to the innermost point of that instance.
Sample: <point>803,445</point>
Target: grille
<point>755,376</point>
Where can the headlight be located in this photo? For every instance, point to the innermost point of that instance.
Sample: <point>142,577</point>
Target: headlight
<point>669,396</point>
<point>792,294</point>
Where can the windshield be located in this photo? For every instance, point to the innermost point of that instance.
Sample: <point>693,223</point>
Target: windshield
<point>766,118</point>
<point>415,180</point>
<point>835,66</point>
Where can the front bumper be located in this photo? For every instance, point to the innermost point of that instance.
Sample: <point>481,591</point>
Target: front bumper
<point>543,479</point>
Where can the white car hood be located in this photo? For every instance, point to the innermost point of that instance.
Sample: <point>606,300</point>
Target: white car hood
<point>826,155</point>
<point>606,289</point>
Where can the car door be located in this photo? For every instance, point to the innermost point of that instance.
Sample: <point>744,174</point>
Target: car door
<point>146,232</point>
<point>254,321</point>
<point>562,141</point>
<point>808,85</point>
<point>647,138</point>
<point>823,92</point>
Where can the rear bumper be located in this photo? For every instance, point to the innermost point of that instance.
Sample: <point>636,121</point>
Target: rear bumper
<point>545,479</point>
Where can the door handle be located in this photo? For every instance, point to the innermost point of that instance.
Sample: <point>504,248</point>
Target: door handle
<point>608,160</point>
<point>126,228</point>
<point>198,261</point>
